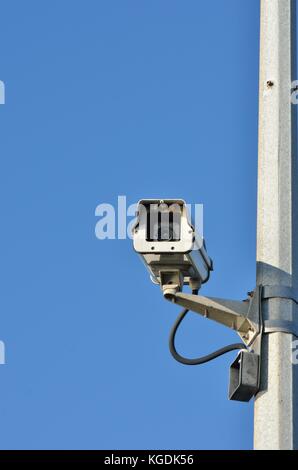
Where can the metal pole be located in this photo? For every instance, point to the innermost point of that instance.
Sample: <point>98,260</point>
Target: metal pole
<point>276,405</point>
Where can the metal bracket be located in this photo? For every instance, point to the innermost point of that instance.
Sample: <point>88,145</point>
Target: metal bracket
<point>281,292</point>
<point>171,281</point>
<point>243,317</point>
<point>284,326</point>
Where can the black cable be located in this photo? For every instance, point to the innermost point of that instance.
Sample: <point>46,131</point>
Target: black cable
<point>199,360</point>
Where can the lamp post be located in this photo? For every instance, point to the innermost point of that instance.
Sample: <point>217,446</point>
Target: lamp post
<point>276,405</point>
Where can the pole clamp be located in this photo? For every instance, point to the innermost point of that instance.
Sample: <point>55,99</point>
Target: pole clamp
<point>280,292</point>
<point>283,326</point>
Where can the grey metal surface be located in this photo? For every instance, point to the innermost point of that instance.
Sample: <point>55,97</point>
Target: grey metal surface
<point>284,326</point>
<point>276,405</point>
<point>282,292</point>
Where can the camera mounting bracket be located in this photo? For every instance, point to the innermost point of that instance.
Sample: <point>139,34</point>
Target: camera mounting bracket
<point>243,317</point>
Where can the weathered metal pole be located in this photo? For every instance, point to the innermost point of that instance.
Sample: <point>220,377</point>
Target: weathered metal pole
<point>276,405</point>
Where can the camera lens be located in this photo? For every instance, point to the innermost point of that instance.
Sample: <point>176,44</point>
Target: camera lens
<point>166,232</point>
<point>163,226</point>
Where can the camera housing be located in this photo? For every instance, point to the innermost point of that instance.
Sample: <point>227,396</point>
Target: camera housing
<point>166,241</point>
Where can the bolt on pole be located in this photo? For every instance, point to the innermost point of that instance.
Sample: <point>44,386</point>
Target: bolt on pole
<point>276,405</point>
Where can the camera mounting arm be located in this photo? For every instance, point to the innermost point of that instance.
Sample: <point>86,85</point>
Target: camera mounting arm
<point>243,317</point>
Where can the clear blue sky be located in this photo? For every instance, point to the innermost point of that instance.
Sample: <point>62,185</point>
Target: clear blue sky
<point>143,98</point>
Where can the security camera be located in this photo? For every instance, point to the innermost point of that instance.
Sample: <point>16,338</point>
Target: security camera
<point>175,255</point>
<point>167,243</point>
